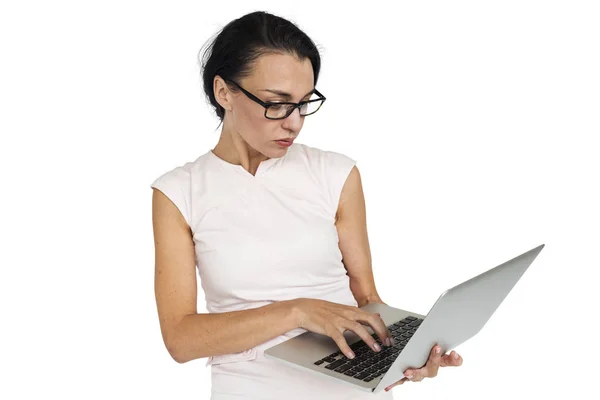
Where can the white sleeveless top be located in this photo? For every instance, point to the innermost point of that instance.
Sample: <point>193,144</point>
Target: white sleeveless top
<point>261,239</point>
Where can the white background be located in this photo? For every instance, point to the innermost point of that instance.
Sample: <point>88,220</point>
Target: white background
<point>475,126</point>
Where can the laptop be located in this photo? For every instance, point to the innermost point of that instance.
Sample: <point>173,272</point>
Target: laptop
<point>457,315</point>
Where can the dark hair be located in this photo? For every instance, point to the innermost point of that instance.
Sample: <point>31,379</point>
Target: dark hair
<point>236,47</point>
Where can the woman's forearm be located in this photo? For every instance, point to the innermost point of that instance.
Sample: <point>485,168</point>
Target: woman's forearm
<point>205,335</point>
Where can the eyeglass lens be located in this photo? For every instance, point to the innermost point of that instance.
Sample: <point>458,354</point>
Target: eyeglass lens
<point>280,111</point>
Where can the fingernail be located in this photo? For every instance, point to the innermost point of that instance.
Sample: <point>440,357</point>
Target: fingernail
<point>409,376</point>
<point>438,350</point>
<point>456,356</point>
<point>350,354</point>
<point>376,346</point>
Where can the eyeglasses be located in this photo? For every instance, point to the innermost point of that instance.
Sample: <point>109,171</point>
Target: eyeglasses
<point>282,110</point>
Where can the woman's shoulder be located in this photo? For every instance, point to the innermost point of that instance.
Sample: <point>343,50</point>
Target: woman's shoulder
<point>182,172</point>
<point>320,156</point>
<point>176,184</point>
<point>324,160</point>
<point>330,169</point>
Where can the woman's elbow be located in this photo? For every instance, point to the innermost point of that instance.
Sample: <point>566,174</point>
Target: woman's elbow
<point>174,346</point>
<point>176,352</point>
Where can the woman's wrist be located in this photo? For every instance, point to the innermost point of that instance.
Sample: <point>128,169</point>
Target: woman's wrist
<point>369,299</point>
<point>295,313</point>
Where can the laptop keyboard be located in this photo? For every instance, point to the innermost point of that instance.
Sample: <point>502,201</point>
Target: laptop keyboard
<point>369,364</point>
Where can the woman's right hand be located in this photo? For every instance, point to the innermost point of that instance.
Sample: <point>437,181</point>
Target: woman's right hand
<point>332,319</point>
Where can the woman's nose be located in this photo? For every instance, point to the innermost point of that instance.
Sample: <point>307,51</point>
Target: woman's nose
<point>294,120</point>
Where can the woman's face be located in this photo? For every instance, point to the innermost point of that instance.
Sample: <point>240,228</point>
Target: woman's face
<point>272,73</point>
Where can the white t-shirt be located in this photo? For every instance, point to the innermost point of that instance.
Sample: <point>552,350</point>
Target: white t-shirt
<point>261,239</point>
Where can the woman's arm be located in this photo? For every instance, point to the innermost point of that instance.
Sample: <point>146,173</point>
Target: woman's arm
<point>351,224</point>
<point>187,334</point>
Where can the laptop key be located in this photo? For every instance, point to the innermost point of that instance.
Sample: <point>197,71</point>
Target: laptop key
<point>362,375</point>
<point>336,364</point>
<point>319,362</point>
<point>343,368</point>
<point>357,345</point>
<point>368,379</point>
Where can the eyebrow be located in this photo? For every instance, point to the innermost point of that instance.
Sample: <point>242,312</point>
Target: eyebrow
<point>284,94</point>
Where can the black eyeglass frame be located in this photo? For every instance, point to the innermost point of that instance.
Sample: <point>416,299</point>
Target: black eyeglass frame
<point>267,104</point>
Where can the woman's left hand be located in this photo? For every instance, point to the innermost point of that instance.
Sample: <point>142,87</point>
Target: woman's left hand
<point>430,370</point>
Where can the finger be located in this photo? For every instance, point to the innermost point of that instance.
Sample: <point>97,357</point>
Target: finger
<point>415,375</point>
<point>454,359</point>
<point>376,323</point>
<point>340,340</point>
<point>362,332</point>
<point>459,359</point>
<point>451,360</point>
<point>433,364</point>
<point>400,382</point>
<point>430,369</point>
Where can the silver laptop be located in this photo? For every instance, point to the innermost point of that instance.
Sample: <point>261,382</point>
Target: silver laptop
<point>457,315</point>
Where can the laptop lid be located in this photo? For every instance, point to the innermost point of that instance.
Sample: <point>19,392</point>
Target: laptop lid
<point>459,314</point>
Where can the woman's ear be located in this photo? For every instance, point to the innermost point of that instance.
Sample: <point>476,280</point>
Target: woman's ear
<point>222,93</point>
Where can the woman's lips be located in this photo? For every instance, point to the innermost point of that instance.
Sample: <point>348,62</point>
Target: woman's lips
<point>284,143</point>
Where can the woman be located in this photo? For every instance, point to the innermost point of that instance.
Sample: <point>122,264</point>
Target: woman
<point>261,217</point>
